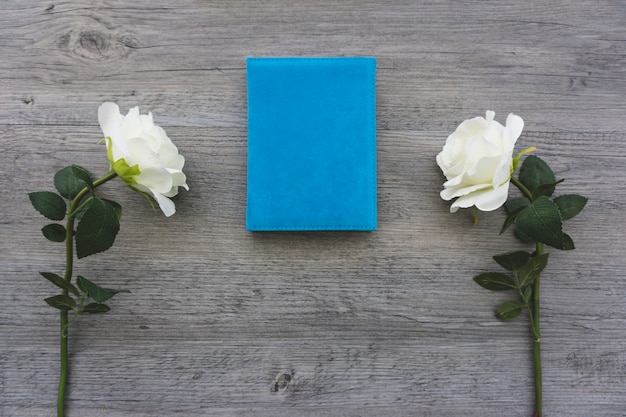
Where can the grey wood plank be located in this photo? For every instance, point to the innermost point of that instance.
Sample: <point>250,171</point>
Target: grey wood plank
<point>222,322</point>
<point>435,61</point>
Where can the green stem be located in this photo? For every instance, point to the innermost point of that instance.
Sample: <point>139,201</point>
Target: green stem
<point>64,366</point>
<point>522,188</point>
<point>537,341</point>
<point>69,266</point>
<point>534,316</point>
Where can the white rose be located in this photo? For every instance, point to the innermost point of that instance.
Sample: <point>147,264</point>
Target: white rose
<point>142,154</point>
<point>477,161</point>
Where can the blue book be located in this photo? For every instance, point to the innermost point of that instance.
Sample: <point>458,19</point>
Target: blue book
<point>311,144</point>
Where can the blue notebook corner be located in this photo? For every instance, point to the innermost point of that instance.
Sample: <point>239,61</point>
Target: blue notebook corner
<point>311,144</point>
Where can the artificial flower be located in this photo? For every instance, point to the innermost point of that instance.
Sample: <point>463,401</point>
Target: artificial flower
<point>477,161</point>
<point>142,154</point>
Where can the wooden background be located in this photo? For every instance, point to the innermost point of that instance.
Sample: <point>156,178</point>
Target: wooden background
<point>222,322</point>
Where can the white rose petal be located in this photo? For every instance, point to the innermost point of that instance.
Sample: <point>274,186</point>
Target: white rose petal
<point>477,159</point>
<point>142,154</point>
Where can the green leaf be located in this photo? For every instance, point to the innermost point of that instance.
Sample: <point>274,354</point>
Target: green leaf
<point>54,232</point>
<point>116,206</point>
<point>514,204</point>
<point>494,281</point>
<point>79,284</point>
<point>61,302</point>
<point>522,237</point>
<point>83,175</point>
<point>97,229</point>
<point>568,243</point>
<point>541,222</point>
<point>117,291</point>
<point>510,220</point>
<point>60,282</point>
<point>67,183</point>
<point>531,271</point>
<point>570,205</point>
<point>545,189</point>
<point>509,310</point>
<point>512,261</point>
<point>528,292</point>
<point>96,308</point>
<point>50,204</point>
<point>84,205</point>
<point>535,172</point>
<point>96,292</point>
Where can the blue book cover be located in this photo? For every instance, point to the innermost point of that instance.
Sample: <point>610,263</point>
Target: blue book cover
<point>311,144</point>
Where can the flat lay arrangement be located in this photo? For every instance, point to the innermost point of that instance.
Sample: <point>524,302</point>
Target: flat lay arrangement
<point>299,176</point>
<point>359,209</point>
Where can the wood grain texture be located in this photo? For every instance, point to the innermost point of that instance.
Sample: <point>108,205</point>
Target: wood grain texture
<point>221,322</point>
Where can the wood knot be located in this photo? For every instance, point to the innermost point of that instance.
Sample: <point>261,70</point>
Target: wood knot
<point>94,42</point>
<point>282,382</point>
<point>95,45</point>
